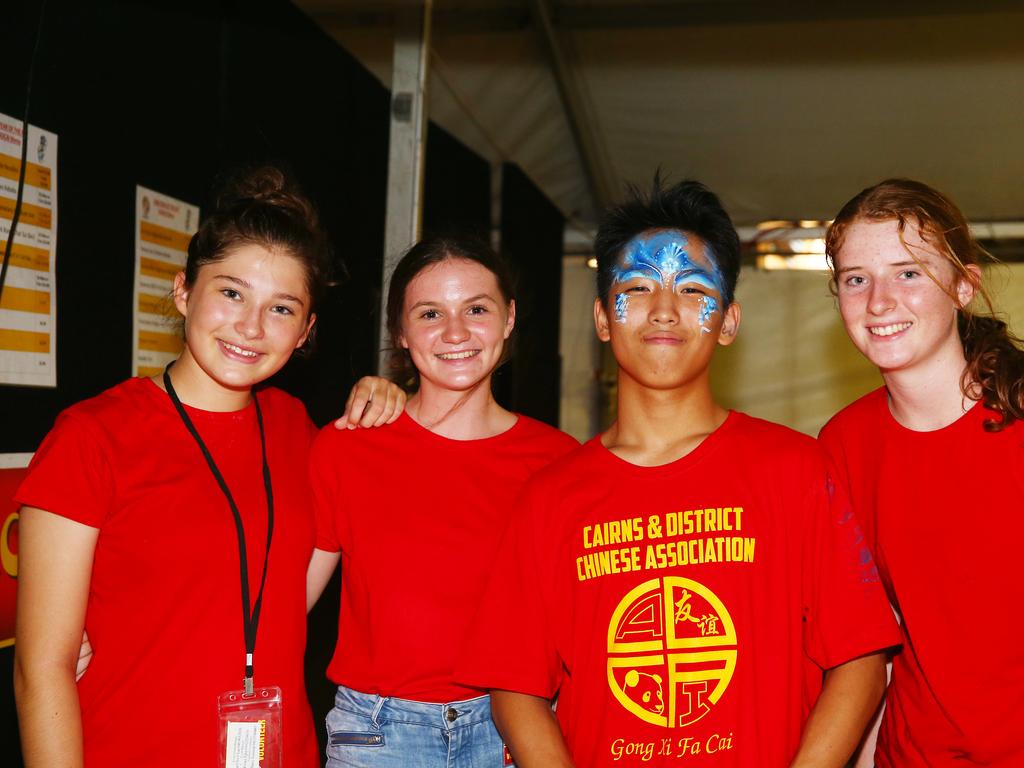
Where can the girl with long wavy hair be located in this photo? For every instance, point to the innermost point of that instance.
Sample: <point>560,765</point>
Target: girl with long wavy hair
<point>934,461</point>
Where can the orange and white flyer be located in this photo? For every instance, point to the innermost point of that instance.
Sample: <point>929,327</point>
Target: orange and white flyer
<point>28,304</point>
<point>163,228</point>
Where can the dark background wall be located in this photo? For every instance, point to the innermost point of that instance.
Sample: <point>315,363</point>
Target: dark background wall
<point>531,232</point>
<point>167,95</point>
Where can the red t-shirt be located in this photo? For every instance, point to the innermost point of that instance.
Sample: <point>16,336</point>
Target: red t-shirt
<point>943,512</point>
<point>417,518</point>
<point>164,609</point>
<point>677,610</point>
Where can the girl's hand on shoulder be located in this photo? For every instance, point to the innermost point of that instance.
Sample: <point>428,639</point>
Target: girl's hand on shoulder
<point>373,402</point>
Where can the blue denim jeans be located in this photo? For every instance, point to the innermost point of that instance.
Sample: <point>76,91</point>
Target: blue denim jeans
<point>370,731</point>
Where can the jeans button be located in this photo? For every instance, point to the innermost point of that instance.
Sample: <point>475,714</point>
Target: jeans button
<point>451,714</point>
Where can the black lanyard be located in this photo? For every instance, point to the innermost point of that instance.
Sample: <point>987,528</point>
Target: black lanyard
<point>250,621</point>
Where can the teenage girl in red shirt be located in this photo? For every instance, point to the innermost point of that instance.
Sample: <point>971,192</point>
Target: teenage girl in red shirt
<point>934,461</point>
<point>128,531</point>
<point>415,512</point>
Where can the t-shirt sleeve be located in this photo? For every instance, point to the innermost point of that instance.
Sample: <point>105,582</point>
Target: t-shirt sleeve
<point>831,442</point>
<point>845,608</point>
<point>324,486</point>
<point>71,473</point>
<point>511,644</point>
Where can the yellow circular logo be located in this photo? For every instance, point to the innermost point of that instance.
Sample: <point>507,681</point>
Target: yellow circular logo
<point>671,651</point>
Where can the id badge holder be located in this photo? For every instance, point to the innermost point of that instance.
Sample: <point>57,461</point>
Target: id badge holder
<point>251,728</point>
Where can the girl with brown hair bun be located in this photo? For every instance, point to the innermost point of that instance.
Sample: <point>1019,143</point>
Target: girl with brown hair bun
<point>156,509</point>
<point>934,461</point>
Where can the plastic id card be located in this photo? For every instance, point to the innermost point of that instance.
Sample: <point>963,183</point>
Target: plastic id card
<point>251,728</point>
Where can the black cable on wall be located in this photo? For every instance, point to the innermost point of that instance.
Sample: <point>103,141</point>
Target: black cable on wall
<point>24,151</point>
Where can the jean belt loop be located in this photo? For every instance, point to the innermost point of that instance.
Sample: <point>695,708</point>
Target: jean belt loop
<point>377,707</point>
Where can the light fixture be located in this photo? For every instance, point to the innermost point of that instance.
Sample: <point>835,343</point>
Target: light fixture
<point>791,245</point>
<point>803,261</point>
<point>785,245</point>
<point>592,262</point>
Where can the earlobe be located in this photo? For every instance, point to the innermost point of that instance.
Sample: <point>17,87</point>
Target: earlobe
<point>730,325</point>
<point>309,328</point>
<point>968,286</point>
<point>510,321</point>
<point>180,293</point>
<point>601,321</point>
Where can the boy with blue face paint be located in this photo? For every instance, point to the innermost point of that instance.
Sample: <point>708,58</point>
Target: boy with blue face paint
<point>689,584</point>
<point>664,257</point>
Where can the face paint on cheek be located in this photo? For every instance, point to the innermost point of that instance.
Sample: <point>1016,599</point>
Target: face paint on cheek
<point>621,305</point>
<point>708,306</point>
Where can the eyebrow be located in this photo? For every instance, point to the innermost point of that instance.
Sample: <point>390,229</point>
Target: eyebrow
<point>650,272</point>
<point>478,297</point>
<point>640,270</point>
<point>244,284</point>
<point>470,300</point>
<point>844,270</point>
<point>699,275</point>
<point>694,271</point>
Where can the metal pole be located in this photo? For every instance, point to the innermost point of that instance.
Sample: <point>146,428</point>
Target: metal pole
<point>497,179</point>
<point>407,149</point>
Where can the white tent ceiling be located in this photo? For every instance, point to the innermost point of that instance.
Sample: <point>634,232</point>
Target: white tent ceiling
<point>784,107</point>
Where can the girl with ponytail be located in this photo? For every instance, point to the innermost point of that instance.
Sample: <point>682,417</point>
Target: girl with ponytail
<point>934,461</point>
<point>152,511</point>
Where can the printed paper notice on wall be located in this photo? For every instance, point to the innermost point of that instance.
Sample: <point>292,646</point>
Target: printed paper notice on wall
<point>28,306</point>
<point>163,228</point>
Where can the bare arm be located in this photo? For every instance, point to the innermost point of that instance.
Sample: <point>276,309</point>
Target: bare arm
<point>866,753</point>
<point>373,402</point>
<point>530,730</point>
<point>848,701</point>
<point>321,568</point>
<point>54,568</point>
<point>865,757</point>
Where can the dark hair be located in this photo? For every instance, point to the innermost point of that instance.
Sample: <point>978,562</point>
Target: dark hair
<point>688,206</point>
<point>262,206</point>
<point>995,361</point>
<point>427,252</point>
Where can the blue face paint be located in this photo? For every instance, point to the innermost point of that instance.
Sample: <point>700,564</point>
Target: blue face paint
<point>621,305</point>
<point>664,258</point>
<point>708,306</point>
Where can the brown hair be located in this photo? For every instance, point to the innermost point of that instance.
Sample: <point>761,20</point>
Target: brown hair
<point>425,253</point>
<point>262,206</point>
<point>995,360</point>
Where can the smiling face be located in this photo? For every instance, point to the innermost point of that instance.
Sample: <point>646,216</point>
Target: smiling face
<point>896,314</point>
<point>244,316</point>
<point>454,323</point>
<point>665,312</point>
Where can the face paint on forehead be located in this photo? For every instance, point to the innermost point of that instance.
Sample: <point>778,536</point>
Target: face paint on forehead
<point>665,257</point>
